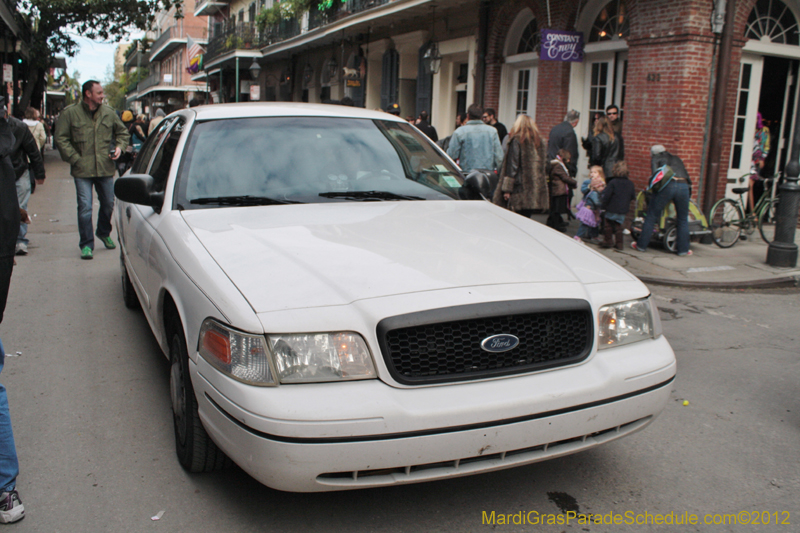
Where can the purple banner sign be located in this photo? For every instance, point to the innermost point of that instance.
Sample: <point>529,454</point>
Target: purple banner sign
<point>561,45</point>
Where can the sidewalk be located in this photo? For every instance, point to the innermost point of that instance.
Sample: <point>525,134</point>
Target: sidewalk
<point>742,266</point>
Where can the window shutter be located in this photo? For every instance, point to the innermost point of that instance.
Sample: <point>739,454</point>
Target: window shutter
<point>424,83</point>
<point>390,78</point>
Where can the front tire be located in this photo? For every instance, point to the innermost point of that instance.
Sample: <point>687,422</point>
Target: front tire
<point>671,238</point>
<point>726,223</point>
<point>196,451</point>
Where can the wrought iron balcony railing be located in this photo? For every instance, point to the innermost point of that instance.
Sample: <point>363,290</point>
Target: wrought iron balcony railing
<point>245,36</point>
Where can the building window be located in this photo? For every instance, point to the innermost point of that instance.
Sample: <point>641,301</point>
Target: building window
<point>772,21</point>
<point>523,91</point>
<point>529,41</point>
<point>611,23</point>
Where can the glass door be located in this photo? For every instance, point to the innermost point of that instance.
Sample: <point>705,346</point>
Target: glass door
<point>744,121</point>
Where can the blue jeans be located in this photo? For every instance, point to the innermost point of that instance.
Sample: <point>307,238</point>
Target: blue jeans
<point>23,195</point>
<point>9,466</point>
<point>105,193</point>
<point>675,191</point>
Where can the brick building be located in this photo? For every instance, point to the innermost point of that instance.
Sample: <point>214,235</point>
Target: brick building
<point>167,85</point>
<point>656,59</point>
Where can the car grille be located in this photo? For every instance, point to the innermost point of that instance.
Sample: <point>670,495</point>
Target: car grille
<point>425,348</point>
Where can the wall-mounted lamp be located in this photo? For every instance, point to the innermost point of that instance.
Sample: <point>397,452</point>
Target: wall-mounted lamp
<point>255,69</point>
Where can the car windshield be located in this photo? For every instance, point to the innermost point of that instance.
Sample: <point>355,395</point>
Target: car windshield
<point>285,160</point>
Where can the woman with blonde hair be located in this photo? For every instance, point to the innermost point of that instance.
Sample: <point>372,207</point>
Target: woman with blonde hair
<point>522,187</point>
<point>605,146</point>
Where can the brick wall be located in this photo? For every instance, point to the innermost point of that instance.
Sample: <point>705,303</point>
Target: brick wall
<point>669,40</point>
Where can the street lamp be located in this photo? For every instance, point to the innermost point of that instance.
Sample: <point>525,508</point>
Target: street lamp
<point>255,69</point>
<point>432,58</point>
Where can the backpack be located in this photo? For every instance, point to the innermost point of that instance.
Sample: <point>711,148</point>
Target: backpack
<point>660,178</point>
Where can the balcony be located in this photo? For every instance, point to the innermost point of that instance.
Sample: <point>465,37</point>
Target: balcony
<point>205,8</point>
<point>135,58</point>
<point>171,39</point>
<point>245,36</point>
<point>318,18</point>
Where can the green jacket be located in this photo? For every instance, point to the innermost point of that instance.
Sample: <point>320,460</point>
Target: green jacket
<point>84,141</point>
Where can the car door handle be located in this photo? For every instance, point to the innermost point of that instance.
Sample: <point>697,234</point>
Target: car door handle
<point>128,213</point>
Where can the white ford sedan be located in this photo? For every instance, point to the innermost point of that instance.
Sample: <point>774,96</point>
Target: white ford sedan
<point>342,309</point>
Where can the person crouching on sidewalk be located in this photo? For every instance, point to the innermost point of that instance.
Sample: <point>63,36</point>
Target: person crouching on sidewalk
<point>616,201</point>
<point>560,184</point>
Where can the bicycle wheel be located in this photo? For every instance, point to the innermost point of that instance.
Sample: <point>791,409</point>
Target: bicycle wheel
<point>766,221</point>
<point>726,223</point>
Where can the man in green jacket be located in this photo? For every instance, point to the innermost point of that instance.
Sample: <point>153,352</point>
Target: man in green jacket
<point>90,137</point>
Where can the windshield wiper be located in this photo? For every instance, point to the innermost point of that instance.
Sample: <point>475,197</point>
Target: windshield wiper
<point>241,200</point>
<point>368,195</point>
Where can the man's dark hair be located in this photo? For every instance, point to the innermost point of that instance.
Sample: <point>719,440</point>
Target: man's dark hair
<point>347,101</point>
<point>612,106</point>
<point>489,111</point>
<point>475,112</point>
<point>423,115</point>
<point>194,102</point>
<point>87,87</point>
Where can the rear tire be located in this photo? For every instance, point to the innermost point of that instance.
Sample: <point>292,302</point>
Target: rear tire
<point>726,223</point>
<point>128,292</point>
<point>767,220</point>
<point>195,449</point>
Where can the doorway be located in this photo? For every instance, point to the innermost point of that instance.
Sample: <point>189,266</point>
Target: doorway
<point>767,85</point>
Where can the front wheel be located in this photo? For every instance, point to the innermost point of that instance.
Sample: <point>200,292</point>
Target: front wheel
<point>671,238</point>
<point>767,220</point>
<point>726,223</point>
<point>196,451</point>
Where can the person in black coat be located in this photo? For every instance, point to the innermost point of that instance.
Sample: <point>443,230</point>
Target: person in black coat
<point>563,136</point>
<point>616,202</point>
<point>424,125</point>
<point>605,147</point>
<point>29,170</point>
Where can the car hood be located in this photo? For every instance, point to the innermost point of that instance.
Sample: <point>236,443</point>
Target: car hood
<point>313,255</point>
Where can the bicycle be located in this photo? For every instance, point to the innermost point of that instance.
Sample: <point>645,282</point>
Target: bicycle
<point>728,219</point>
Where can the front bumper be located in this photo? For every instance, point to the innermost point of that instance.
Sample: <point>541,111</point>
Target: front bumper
<point>335,436</point>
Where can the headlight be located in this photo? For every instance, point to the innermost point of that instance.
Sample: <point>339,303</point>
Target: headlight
<point>628,322</point>
<point>321,357</point>
<point>240,355</point>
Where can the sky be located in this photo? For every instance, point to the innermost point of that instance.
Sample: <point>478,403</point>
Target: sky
<point>93,59</point>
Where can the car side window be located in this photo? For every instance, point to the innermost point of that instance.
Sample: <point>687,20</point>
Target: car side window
<point>163,159</point>
<point>143,159</point>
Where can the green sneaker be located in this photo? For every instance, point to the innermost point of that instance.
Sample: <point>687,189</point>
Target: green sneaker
<point>108,242</point>
<point>86,253</point>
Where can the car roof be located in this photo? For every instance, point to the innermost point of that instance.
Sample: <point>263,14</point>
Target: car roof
<point>286,109</point>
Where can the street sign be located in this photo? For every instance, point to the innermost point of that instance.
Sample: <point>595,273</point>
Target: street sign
<point>255,92</point>
<point>8,73</point>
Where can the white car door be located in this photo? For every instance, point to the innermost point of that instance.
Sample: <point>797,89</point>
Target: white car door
<point>137,222</point>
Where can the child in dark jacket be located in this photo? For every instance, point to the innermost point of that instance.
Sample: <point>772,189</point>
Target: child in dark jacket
<point>616,201</point>
<point>560,183</point>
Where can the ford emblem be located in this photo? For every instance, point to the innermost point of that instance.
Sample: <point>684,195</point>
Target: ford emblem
<point>499,343</point>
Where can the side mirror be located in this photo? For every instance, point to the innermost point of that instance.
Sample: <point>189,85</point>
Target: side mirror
<point>479,185</point>
<point>138,189</point>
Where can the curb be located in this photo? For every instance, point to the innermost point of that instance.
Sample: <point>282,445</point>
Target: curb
<point>781,282</point>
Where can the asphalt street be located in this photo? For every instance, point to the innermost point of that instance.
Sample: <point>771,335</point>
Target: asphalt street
<point>89,398</point>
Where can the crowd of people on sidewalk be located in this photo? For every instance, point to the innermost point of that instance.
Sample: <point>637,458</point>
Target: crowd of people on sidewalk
<point>534,176</point>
